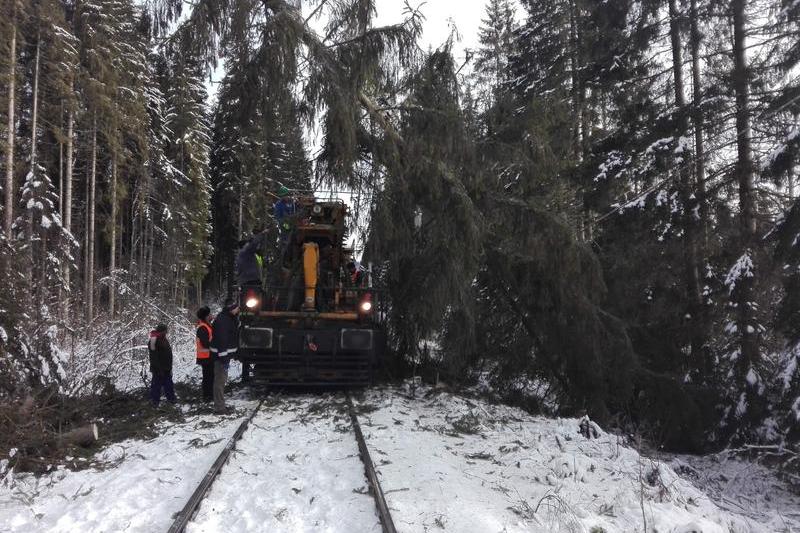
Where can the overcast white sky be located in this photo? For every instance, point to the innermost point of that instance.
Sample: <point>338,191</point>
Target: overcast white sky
<point>441,16</point>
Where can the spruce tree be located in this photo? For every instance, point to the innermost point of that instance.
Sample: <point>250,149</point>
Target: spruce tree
<point>431,265</point>
<point>190,190</point>
<point>782,166</point>
<point>496,39</point>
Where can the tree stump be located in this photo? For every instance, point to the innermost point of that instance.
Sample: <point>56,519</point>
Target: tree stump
<point>83,436</point>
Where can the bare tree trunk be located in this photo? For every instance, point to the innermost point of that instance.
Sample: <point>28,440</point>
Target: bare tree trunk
<point>180,288</point>
<point>68,174</point>
<point>9,200</point>
<point>91,228</point>
<point>140,229</point>
<point>134,235</point>
<point>86,228</point>
<point>35,110</point>
<point>747,326</point>
<point>743,132</point>
<point>173,292</point>
<point>578,111</point>
<point>149,251</point>
<point>577,103</point>
<point>113,256</point>
<point>142,250</point>
<point>32,288</point>
<point>67,209</point>
<point>790,173</point>
<point>697,118</point>
<point>61,175</point>
<point>693,296</point>
<point>62,307</point>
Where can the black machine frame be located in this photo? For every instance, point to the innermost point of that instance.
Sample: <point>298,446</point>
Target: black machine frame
<point>312,348</point>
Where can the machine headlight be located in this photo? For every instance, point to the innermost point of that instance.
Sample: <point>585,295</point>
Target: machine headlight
<point>366,307</point>
<point>251,303</point>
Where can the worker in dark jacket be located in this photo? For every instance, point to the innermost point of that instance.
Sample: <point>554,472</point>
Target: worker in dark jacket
<point>224,345</point>
<point>203,337</point>
<point>160,365</point>
<point>248,268</point>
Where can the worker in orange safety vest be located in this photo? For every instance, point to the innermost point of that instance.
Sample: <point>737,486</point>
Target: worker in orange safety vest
<point>203,347</point>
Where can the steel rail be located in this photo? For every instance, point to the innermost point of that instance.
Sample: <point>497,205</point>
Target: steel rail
<point>190,509</point>
<point>372,476</point>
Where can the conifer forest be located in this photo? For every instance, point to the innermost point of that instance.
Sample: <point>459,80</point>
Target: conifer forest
<point>595,210</point>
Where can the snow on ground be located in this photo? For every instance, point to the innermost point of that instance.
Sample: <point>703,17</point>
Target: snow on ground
<point>743,487</point>
<point>454,464</point>
<point>296,469</point>
<point>446,463</point>
<point>144,483</point>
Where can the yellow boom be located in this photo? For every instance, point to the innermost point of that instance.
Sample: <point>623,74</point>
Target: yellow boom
<point>310,267</point>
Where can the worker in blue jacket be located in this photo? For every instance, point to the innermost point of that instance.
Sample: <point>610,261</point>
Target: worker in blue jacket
<point>284,207</point>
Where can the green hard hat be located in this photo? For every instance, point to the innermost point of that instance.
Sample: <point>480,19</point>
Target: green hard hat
<point>283,191</point>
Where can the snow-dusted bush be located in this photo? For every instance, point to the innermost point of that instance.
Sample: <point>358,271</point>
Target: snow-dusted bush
<point>28,352</point>
<point>113,352</point>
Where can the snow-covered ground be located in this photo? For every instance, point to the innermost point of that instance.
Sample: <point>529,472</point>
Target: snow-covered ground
<point>297,469</point>
<point>142,484</point>
<point>445,462</point>
<point>464,465</point>
<point>742,487</point>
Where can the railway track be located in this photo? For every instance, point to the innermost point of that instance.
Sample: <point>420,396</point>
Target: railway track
<point>369,469</point>
<point>190,510</point>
